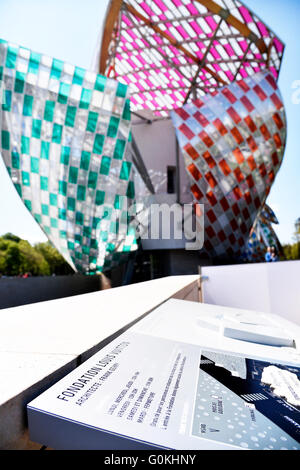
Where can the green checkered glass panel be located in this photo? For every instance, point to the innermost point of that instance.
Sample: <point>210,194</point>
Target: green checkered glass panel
<point>64,141</point>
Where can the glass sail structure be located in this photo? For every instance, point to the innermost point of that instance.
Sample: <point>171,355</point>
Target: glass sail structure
<point>262,236</point>
<point>213,66</point>
<point>64,141</point>
<point>233,144</point>
<point>172,51</point>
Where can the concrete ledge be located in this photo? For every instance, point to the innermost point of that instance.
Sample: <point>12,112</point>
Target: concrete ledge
<point>42,342</point>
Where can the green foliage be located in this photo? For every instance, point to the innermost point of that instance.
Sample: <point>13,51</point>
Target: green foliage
<point>56,262</point>
<point>292,252</point>
<point>18,257</point>
<point>32,261</point>
<point>12,237</point>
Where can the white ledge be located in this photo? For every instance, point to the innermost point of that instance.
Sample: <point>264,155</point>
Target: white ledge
<point>40,343</point>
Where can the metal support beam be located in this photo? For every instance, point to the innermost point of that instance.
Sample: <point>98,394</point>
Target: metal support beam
<point>110,21</point>
<point>140,166</point>
<point>242,61</point>
<point>235,22</point>
<point>148,121</point>
<point>177,171</point>
<point>173,41</point>
<point>193,85</point>
<point>269,53</point>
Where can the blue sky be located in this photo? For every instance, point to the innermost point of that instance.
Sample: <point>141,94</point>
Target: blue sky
<point>69,30</point>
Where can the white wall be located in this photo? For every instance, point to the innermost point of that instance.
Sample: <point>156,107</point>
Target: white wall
<point>157,144</point>
<point>267,287</point>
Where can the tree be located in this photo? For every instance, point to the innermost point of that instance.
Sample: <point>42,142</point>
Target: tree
<point>297,230</point>
<point>12,237</point>
<point>56,262</point>
<point>32,261</point>
<point>18,257</point>
<point>2,263</point>
<point>12,259</point>
<point>292,251</point>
